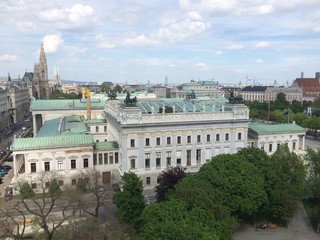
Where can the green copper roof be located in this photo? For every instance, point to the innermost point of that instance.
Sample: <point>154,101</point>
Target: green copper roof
<point>105,146</point>
<point>52,142</point>
<point>93,121</point>
<point>66,104</point>
<point>69,125</point>
<point>275,128</point>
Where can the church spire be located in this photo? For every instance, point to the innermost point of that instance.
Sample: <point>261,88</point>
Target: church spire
<point>42,56</point>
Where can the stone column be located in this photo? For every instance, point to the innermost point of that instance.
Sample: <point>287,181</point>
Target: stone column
<point>34,123</point>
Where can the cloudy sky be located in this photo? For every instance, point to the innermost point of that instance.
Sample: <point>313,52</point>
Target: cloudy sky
<point>137,41</point>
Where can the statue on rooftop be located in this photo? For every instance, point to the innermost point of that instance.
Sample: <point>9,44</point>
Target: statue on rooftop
<point>130,101</point>
<point>191,95</point>
<point>233,99</point>
<point>112,95</point>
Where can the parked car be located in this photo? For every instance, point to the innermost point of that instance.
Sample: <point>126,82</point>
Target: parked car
<point>2,174</point>
<point>4,170</point>
<point>7,131</point>
<point>10,158</point>
<point>8,167</point>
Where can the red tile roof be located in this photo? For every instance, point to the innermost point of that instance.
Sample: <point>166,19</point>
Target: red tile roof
<point>308,84</point>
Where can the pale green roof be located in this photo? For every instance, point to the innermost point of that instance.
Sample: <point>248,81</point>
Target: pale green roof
<point>52,142</point>
<point>66,104</point>
<point>93,121</point>
<point>69,125</point>
<point>275,128</point>
<point>105,146</point>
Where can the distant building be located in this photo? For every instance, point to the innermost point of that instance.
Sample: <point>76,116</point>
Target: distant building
<point>265,93</point>
<point>41,87</point>
<point>56,78</point>
<point>201,89</point>
<point>4,110</point>
<point>310,86</point>
<point>161,91</point>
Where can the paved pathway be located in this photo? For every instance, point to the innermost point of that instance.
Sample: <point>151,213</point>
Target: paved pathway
<point>299,228</point>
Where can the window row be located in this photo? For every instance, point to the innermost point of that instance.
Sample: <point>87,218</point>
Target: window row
<point>105,158</point>
<point>188,139</point>
<point>270,146</point>
<point>168,163</point>
<point>60,165</point>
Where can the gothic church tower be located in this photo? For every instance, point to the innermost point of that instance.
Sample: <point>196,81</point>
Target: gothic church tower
<point>41,87</point>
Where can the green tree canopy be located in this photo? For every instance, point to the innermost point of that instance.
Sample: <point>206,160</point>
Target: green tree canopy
<point>198,193</point>
<point>281,103</point>
<point>172,220</point>
<point>287,184</point>
<point>130,202</point>
<point>312,159</point>
<point>237,181</point>
<point>167,181</point>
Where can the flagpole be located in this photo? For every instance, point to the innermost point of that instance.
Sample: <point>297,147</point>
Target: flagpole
<point>288,115</point>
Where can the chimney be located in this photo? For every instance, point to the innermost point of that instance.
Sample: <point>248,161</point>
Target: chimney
<point>301,74</point>
<point>318,75</point>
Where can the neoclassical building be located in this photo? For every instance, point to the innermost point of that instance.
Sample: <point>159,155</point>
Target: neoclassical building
<point>155,134</point>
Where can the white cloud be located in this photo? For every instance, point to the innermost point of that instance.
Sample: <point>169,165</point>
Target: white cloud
<point>8,58</point>
<point>258,61</point>
<point>218,52</point>
<point>235,47</point>
<point>25,26</point>
<point>103,42</point>
<point>262,44</point>
<point>201,66</point>
<point>77,17</point>
<point>52,42</point>
<point>195,16</point>
<point>316,29</point>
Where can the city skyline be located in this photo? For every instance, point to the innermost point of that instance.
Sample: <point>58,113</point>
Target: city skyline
<point>139,41</point>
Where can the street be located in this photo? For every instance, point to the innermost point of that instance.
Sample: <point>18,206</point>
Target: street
<point>311,142</point>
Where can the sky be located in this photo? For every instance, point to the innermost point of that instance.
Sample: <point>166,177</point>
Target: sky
<point>136,41</point>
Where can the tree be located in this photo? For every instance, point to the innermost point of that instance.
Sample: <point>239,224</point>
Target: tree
<point>312,159</point>
<point>130,202</point>
<point>316,106</point>
<point>279,116</point>
<point>237,181</point>
<point>296,106</point>
<point>91,182</point>
<point>117,88</point>
<point>167,180</point>
<point>41,205</point>
<point>281,103</point>
<point>287,184</point>
<point>172,220</point>
<point>198,193</point>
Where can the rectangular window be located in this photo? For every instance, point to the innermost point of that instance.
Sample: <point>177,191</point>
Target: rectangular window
<point>188,139</point>
<point>208,137</point>
<point>227,136</point>
<point>73,182</point>
<point>47,184</point>
<point>97,128</point>
<point>239,136</point>
<point>158,141</point>
<point>85,162</point>
<point>33,167</point>
<point>34,186</point>
<point>100,158</point>
<point>147,160</point>
<point>133,163</point>
<point>105,128</point>
<point>148,181</point>
<point>198,157</point>
<point>61,183</point>
<point>116,157</point>
<point>132,142</point>
<point>147,142</point>
<point>178,161</point>
<point>158,160</point>
<point>94,159</point>
<point>262,147</point>
<point>293,146</point>
<point>158,180</point>
<point>188,157</point>
<point>105,156</point>
<point>60,165</point>
<point>73,164</point>
<point>270,147</point>
<point>168,159</point>
<point>278,145</point>
<point>168,140</point>
<point>198,138</point>
<point>47,166</point>
<point>179,140</point>
<point>111,158</point>
<point>217,137</point>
